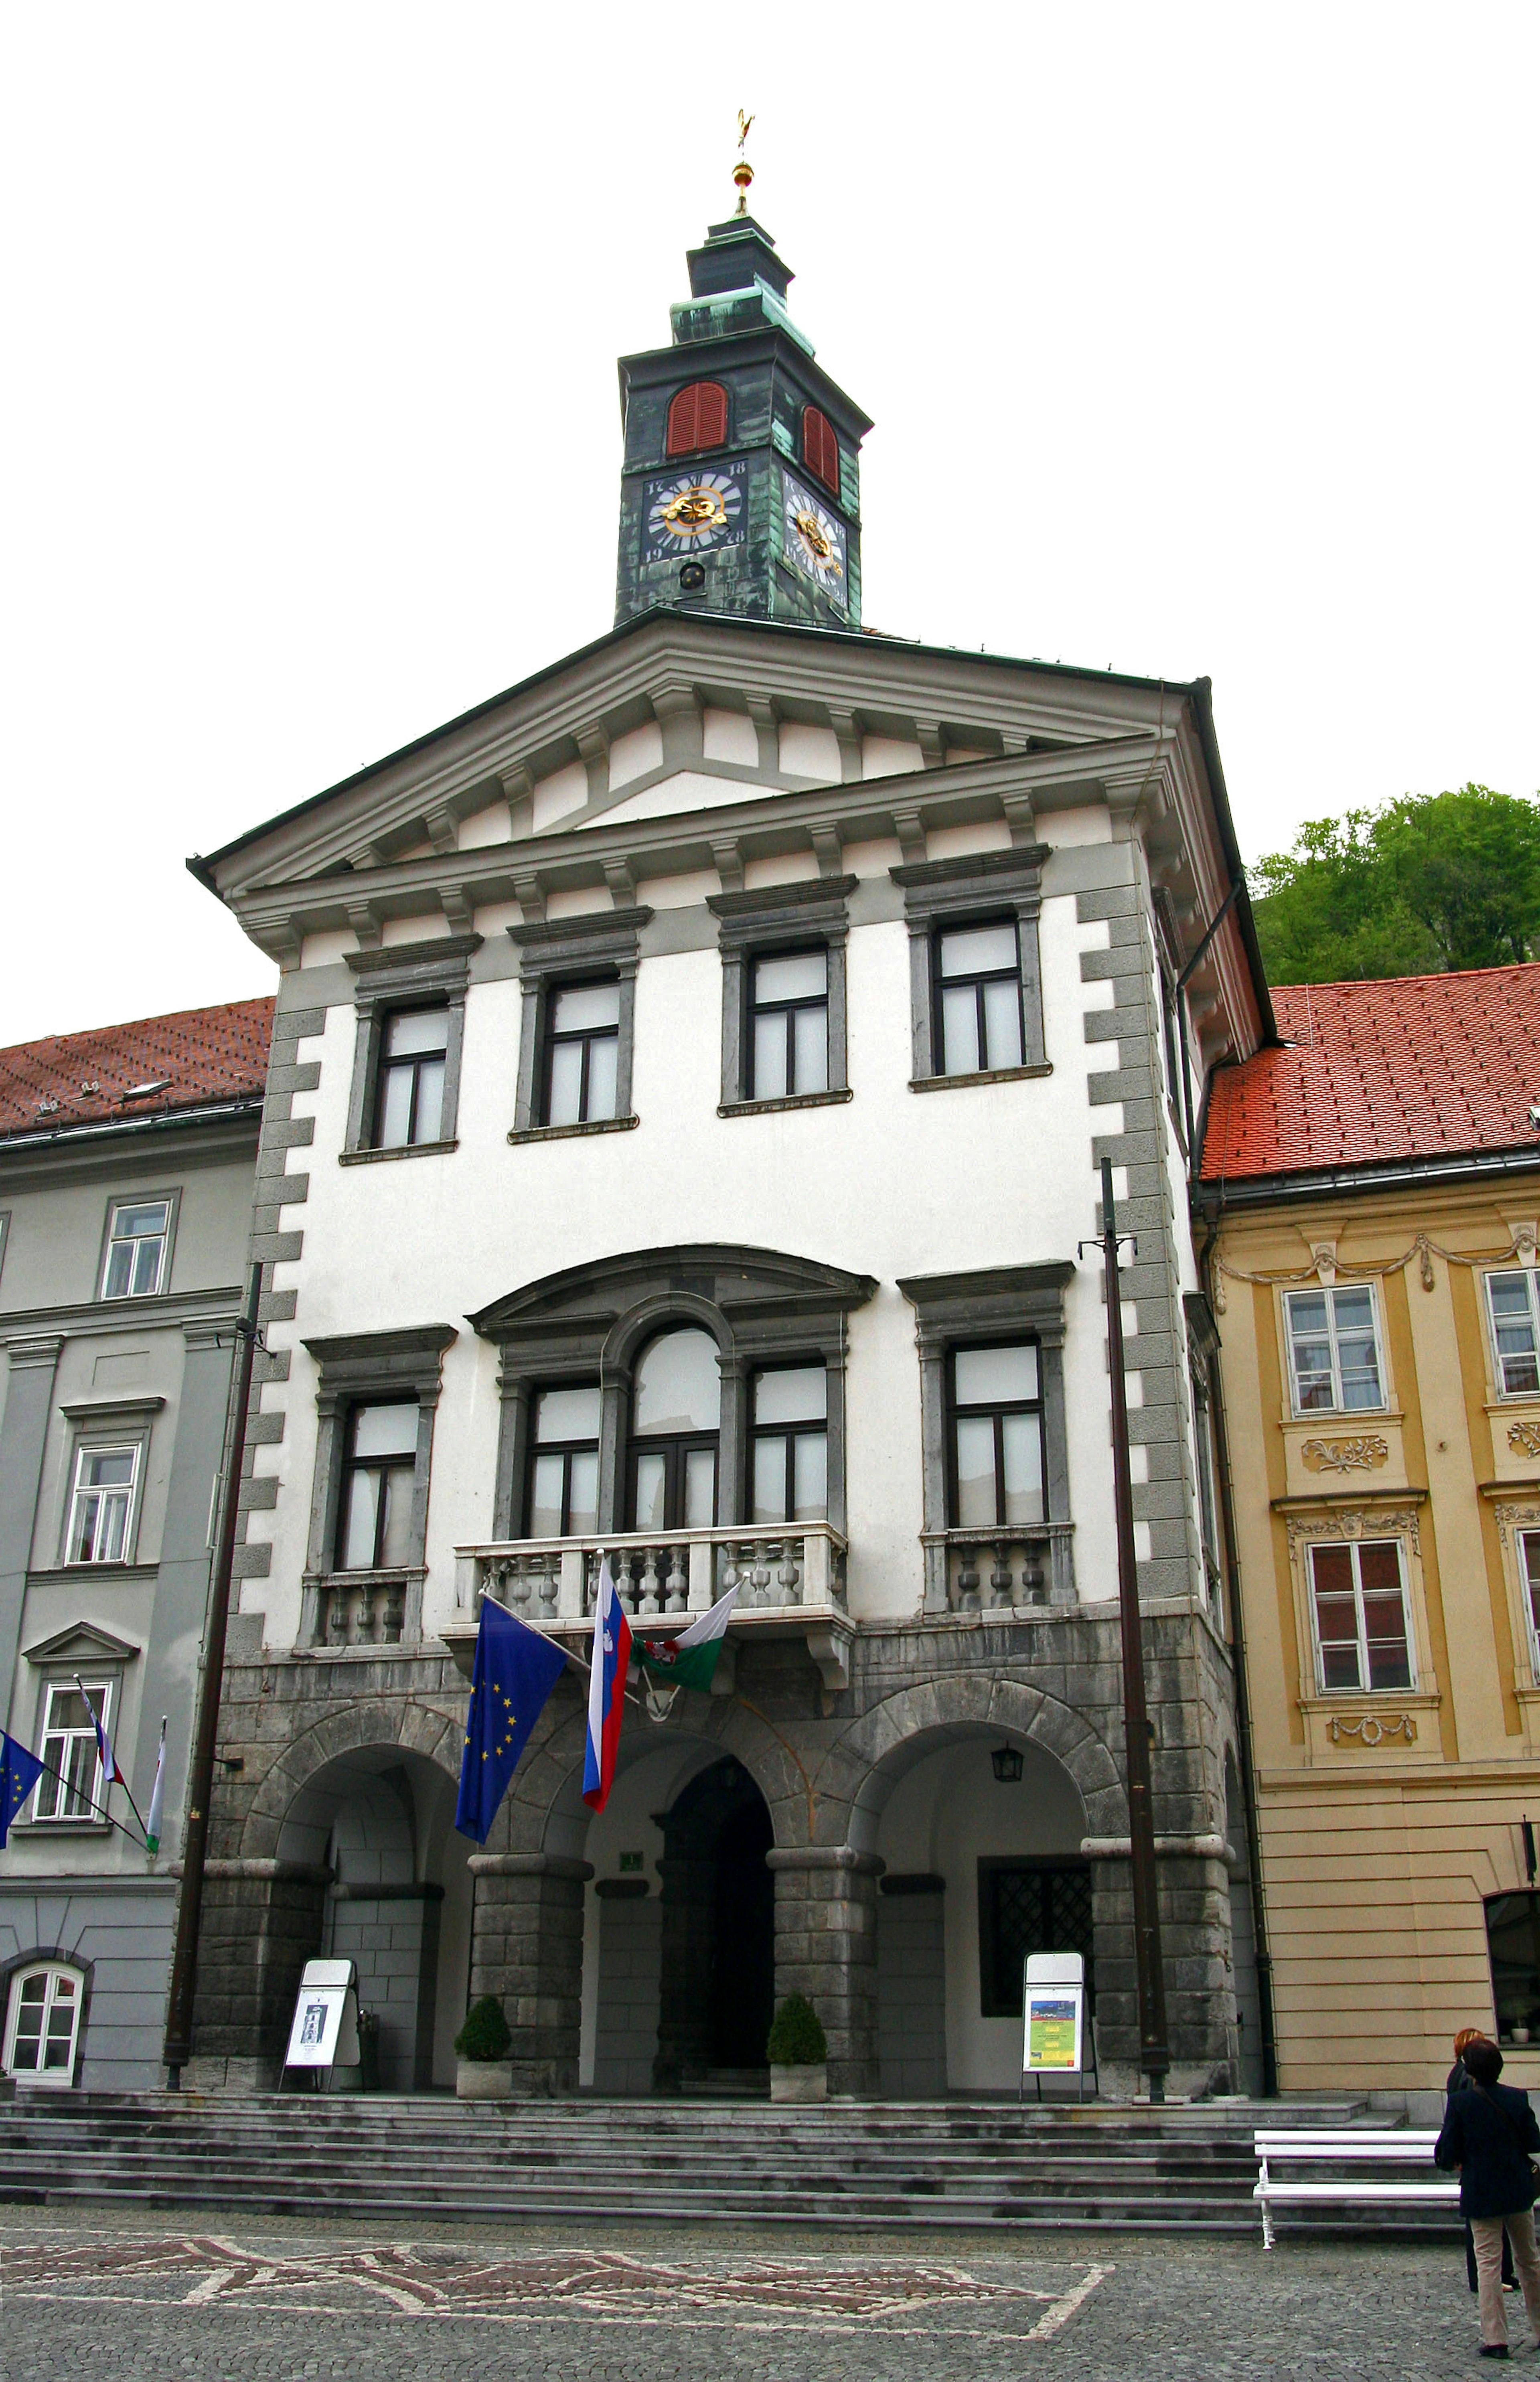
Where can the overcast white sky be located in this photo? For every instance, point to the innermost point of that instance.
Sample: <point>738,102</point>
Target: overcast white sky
<point>1198,340</point>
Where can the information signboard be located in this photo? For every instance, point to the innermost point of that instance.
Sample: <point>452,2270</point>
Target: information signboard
<point>325,2029</point>
<point>1054,2040</point>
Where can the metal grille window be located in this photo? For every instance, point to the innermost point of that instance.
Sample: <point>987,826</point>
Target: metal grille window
<point>1030,1906</point>
<point>997,1435</point>
<point>1333,1350</point>
<point>979,1003</point>
<point>413,1055</point>
<point>788,1038</point>
<point>1361,1629</point>
<point>43,2023</point>
<point>136,1249</point>
<point>1513,1298</point>
<point>791,1444</point>
<point>68,1750</point>
<point>102,1508</point>
<point>377,1477</point>
<point>564,1471</point>
<point>582,1053</point>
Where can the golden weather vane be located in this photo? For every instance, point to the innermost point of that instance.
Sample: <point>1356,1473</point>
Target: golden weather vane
<point>743,173</point>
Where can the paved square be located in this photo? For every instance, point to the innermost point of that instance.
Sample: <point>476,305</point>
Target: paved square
<point>108,2294</point>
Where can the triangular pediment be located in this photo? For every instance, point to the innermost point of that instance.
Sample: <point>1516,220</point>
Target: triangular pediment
<point>82,1641</point>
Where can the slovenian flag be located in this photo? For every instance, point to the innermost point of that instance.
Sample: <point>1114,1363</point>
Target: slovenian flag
<point>111,1774</point>
<point>606,1692</point>
<point>690,1659</point>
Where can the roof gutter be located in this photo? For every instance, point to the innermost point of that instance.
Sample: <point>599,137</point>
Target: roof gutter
<point>109,1128</point>
<point>1225,1197</point>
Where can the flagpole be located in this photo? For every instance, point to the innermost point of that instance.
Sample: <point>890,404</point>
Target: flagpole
<point>111,1749</point>
<point>89,1801</point>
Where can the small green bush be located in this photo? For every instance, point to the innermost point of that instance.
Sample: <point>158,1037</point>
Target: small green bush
<point>487,2034</point>
<point>797,2039</point>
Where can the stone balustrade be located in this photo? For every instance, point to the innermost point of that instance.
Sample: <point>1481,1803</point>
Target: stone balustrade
<point>998,1570</point>
<point>360,1609</point>
<point>781,1569</point>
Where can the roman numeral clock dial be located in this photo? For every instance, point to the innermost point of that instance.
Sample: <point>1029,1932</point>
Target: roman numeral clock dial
<point>814,540</point>
<point>692,512</point>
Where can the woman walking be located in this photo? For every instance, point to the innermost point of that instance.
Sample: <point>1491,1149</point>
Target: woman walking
<point>1488,2134</point>
<point>1459,2081</point>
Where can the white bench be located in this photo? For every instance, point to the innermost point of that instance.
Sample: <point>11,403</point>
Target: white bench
<point>1393,2146</point>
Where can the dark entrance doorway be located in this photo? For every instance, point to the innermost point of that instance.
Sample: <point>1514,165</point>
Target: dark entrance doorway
<point>717,1976</point>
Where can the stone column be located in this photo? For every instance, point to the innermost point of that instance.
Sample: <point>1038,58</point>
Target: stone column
<point>1194,1885</point>
<point>260,1922</point>
<point>827,1949</point>
<point>527,1948</point>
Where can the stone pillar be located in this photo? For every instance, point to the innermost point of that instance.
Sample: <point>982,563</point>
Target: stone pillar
<point>527,1948</point>
<point>1194,1885</point>
<point>827,1949</point>
<point>260,1922</point>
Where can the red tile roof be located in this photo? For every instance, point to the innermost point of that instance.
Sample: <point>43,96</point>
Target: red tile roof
<point>192,1058</point>
<point>1415,1066</point>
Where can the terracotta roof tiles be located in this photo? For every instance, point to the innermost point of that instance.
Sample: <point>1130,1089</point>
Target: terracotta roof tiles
<point>189,1059</point>
<point>1416,1066</point>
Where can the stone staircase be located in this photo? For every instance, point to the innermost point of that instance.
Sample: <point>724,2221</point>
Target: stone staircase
<point>852,2164</point>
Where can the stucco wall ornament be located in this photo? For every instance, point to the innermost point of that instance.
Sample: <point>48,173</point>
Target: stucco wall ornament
<point>1325,1266</point>
<point>1386,1523</point>
<point>1365,1453</point>
<point>1372,1728</point>
<point>1524,1438</point>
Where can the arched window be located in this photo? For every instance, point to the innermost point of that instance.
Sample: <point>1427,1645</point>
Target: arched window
<point>698,418</point>
<point>820,448</point>
<point>43,2023</point>
<point>676,1415</point>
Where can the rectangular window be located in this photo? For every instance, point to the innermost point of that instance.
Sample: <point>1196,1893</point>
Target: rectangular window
<point>1029,1906</point>
<point>1529,1573</point>
<point>979,1003</point>
<point>408,1106</point>
<point>136,1249</point>
<point>1513,1948</point>
<point>998,1469</point>
<point>789,1024</point>
<point>791,1444</point>
<point>1333,1350</point>
<point>1512,1300</point>
<point>582,1053</point>
<point>1362,1627</point>
<point>374,1533</point>
<point>564,1469</point>
<point>67,1747</point>
<point>101,1509</point>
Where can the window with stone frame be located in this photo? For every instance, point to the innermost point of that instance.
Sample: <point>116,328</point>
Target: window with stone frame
<point>577,978</point>
<point>378,1472</point>
<point>410,1003</point>
<point>377,1395</point>
<point>1514,1303</point>
<point>1007,1407</point>
<point>790,1444</point>
<point>1334,1350</point>
<point>136,1261</point>
<point>1361,1617</point>
<point>783,994</point>
<point>563,1498</point>
<point>975,975</point>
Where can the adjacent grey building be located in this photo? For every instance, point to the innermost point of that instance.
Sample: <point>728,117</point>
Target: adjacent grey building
<point>126,1168</point>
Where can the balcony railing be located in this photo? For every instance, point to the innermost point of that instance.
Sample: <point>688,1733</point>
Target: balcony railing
<point>998,1570</point>
<point>790,1580</point>
<point>348,1609</point>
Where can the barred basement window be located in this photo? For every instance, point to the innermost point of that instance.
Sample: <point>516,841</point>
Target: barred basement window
<point>1030,1905</point>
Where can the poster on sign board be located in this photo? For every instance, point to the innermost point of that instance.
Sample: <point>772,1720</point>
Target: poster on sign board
<point>1054,2016</point>
<point>315,2038</point>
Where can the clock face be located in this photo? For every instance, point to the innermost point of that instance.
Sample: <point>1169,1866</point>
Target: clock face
<point>814,540</point>
<point>693,511</point>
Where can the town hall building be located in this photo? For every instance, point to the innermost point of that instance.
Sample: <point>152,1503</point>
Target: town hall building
<point>690,1073</point>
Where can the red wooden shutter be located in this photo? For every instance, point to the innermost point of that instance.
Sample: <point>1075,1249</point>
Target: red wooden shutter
<point>698,418</point>
<point>821,447</point>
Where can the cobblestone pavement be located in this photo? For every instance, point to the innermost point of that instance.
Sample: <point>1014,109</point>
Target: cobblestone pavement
<point>107,2294</point>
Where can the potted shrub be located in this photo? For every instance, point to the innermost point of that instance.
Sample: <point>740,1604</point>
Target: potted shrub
<point>797,2052</point>
<point>483,2070</point>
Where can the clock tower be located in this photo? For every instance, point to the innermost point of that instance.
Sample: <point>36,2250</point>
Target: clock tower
<point>741,488</point>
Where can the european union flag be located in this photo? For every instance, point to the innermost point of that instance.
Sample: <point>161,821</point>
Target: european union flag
<point>19,1772</point>
<point>515,1670</point>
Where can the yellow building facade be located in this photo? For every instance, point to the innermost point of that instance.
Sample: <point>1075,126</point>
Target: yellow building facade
<point>1379,1322</point>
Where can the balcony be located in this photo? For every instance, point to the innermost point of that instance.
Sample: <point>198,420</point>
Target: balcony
<point>998,1570</point>
<point>791,1583</point>
<point>356,1611</point>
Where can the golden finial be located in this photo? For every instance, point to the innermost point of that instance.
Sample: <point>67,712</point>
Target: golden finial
<point>743,173</point>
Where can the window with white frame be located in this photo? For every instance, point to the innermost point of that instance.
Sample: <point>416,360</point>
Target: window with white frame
<point>1363,1625</point>
<point>1529,1576</point>
<point>42,2022</point>
<point>1334,1350</point>
<point>102,1508</point>
<point>137,1239</point>
<point>1514,1301</point>
<point>67,1747</point>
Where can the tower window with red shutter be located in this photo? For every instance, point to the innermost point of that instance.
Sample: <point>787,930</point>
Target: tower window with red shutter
<point>821,447</point>
<point>698,418</point>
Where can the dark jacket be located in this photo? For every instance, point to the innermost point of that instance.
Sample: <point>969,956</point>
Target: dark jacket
<point>1488,2134</point>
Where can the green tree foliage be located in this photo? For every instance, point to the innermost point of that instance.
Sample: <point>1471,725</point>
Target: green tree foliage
<point>487,2034</point>
<point>797,2038</point>
<point>1432,882</point>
